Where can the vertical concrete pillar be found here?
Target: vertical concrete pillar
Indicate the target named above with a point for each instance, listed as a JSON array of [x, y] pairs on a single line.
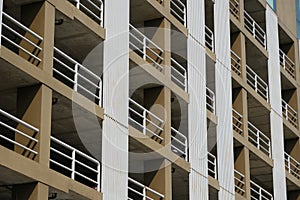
[[196, 56], [115, 100], [277, 137]]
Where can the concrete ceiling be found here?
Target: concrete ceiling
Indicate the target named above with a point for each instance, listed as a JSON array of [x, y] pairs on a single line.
[[138, 17]]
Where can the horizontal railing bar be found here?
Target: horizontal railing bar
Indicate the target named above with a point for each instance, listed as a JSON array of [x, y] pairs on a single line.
[[18, 120], [18, 144], [23, 49], [22, 26]]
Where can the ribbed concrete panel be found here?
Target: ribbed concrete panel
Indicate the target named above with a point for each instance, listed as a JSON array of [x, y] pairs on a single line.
[[197, 107], [197, 120], [224, 101], [196, 20], [115, 103], [277, 135], [273, 62], [198, 186]]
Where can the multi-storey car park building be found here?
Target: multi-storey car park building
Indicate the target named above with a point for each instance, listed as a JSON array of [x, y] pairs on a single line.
[[149, 99]]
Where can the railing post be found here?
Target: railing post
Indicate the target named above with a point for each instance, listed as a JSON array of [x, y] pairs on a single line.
[[289, 163], [144, 121], [1, 15], [253, 28], [186, 150], [144, 193], [76, 78], [100, 92], [98, 177], [101, 14], [260, 195], [255, 82], [78, 4], [73, 165], [257, 139], [144, 48]]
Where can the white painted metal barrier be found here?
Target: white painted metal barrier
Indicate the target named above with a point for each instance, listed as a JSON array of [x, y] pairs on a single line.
[[258, 139], [145, 121], [210, 100], [289, 114], [137, 190], [237, 121], [179, 143], [26, 134], [292, 165], [239, 182], [77, 76], [92, 8], [258, 193], [20, 39], [178, 74], [74, 164], [212, 165], [234, 8], [286, 63], [257, 83], [209, 39], [235, 63], [147, 49], [178, 9], [254, 28]]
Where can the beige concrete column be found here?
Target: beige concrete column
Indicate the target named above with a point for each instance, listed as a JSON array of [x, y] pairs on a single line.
[[240, 105], [38, 114], [40, 192], [242, 164], [159, 102], [44, 25], [162, 181], [238, 47]]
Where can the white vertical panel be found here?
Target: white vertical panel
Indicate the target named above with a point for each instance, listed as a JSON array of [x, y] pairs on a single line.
[[115, 101], [224, 101], [197, 106], [277, 135]]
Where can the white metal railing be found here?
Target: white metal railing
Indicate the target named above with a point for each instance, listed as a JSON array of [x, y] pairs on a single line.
[[287, 64], [234, 8], [212, 165], [257, 83], [292, 165], [145, 121], [210, 100], [289, 113], [92, 8], [258, 193], [137, 190], [147, 49], [79, 165], [178, 9], [26, 133], [254, 28], [239, 182], [209, 39], [77, 76], [178, 74], [21, 39], [258, 139], [235, 63], [237, 121], [179, 143]]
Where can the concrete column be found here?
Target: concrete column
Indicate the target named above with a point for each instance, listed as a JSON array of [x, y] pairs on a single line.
[[277, 135], [196, 56], [34, 105], [115, 101]]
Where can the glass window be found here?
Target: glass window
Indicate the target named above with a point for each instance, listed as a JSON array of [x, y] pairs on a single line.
[[272, 3]]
